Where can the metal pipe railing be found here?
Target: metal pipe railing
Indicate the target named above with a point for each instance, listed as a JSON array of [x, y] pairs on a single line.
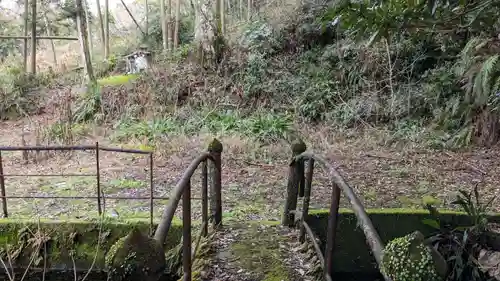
[[300, 186], [183, 191], [99, 194]]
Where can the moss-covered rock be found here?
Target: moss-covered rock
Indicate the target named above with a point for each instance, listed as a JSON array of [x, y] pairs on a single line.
[[215, 146], [408, 258], [137, 257], [298, 146]]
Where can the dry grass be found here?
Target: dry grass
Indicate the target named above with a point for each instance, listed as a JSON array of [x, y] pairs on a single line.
[[254, 176]]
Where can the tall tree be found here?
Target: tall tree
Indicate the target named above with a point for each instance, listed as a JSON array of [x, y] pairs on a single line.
[[169, 24], [106, 28], [84, 44], [86, 14], [101, 25], [177, 22], [163, 25], [49, 33]]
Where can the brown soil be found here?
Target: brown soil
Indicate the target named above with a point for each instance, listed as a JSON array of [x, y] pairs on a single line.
[[254, 176]]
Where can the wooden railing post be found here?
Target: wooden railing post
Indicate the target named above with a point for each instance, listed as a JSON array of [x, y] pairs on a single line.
[[332, 230], [98, 178], [294, 179], [204, 198], [186, 232], [215, 149], [307, 198], [2, 188]]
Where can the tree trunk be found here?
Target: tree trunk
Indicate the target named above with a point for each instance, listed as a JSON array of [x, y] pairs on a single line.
[[146, 29], [25, 46], [84, 44], [101, 25], [203, 28], [106, 28], [169, 24], [241, 9], [163, 21], [222, 17], [33, 36], [249, 10], [177, 22], [52, 46], [89, 31]]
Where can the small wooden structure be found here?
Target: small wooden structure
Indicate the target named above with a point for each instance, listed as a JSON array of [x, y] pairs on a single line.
[[139, 60]]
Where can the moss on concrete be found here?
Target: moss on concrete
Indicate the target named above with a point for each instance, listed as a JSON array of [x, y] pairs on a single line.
[[257, 250], [137, 257], [63, 242], [352, 253]]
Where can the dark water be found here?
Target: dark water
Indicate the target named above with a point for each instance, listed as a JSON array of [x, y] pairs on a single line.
[[60, 275], [53, 275], [357, 277]]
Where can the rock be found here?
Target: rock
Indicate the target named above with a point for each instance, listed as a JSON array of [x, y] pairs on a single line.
[[491, 237], [489, 261], [135, 257], [408, 258]]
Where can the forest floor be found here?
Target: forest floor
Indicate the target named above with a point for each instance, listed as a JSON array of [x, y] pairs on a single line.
[[254, 176]]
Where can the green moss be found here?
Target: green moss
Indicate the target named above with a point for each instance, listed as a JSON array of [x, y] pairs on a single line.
[[391, 211], [278, 273], [137, 257], [257, 250], [116, 80], [215, 146], [298, 146], [69, 240], [112, 251], [407, 258]]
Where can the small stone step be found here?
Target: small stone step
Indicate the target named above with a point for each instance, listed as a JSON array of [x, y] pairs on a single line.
[[257, 251]]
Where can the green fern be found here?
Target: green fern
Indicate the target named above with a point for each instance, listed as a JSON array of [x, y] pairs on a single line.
[[468, 55], [487, 73]]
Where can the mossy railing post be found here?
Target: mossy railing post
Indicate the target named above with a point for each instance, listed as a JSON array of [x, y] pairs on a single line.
[[307, 199], [215, 149], [294, 182]]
